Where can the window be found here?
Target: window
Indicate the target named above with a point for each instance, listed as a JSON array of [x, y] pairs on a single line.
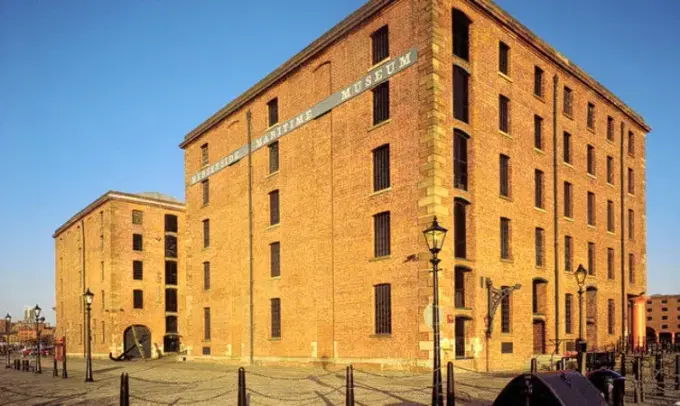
[[503, 58], [566, 104], [206, 233], [631, 143], [568, 300], [381, 234], [170, 223], [380, 44], [505, 313], [381, 168], [206, 275], [610, 316], [204, 154], [610, 216], [460, 33], [383, 310], [631, 181], [664, 317], [137, 270], [631, 224], [137, 299], [610, 263], [205, 185], [566, 147], [591, 160], [137, 244], [568, 253], [206, 324], [539, 244], [538, 81], [538, 132], [170, 246], [610, 128], [538, 188], [610, 170], [460, 94], [505, 238], [101, 267], [631, 268], [591, 208], [459, 228], [103, 301], [273, 111], [381, 103], [504, 163], [460, 168], [591, 258], [274, 157], [459, 286], [170, 272], [274, 215], [103, 332], [590, 119], [171, 300], [275, 259], [504, 114], [137, 216], [170, 324], [276, 318], [568, 200]]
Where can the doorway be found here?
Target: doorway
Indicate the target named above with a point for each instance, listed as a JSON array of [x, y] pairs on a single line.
[[539, 337], [137, 334]]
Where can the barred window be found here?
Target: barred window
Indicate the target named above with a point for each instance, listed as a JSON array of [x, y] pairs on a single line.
[[170, 324], [631, 143], [591, 258], [504, 114], [503, 58], [206, 275], [137, 216], [539, 247], [276, 318], [274, 157], [504, 163], [568, 253], [610, 128], [381, 103], [459, 228], [631, 268], [460, 94], [568, 200], [460, 160], [383, 311], [610, 316], [381, 232], [171, 272], [137, 244], [274, 215], [538, 188], [505, 238], [204, 154], [631, 181], [380, 44], [206, 233], [205, 186], [275, 259], [590, 166], [538, 132], [171, 300], [137, 299], [273, 111], [610, 263], [170, 246], [566, 147], [631, 224], [590, 120], [137, 270], [610, 170], [591, 208], [170, 223], [206, 324], [381, 168], [505, 313], [566, 104], [538, 81], [461, 37], [610, 216], [568, 299]]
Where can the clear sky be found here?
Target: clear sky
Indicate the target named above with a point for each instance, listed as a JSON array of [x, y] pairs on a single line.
[[96, 95]]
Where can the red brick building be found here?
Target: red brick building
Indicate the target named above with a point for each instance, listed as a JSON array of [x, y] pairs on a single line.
[[308, 246], [663, 319]]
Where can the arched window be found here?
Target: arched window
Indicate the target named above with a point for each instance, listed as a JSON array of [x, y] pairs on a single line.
[[461, 34]]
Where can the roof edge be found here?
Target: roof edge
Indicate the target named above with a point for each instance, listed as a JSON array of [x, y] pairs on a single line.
[[115, 195]]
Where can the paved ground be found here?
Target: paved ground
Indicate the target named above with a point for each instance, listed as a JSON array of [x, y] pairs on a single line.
[[169, 382]]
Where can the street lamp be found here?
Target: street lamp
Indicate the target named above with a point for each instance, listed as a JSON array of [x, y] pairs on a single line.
[[38, 320], [8, 323], [434, 236], [581, 274], [88, 296]]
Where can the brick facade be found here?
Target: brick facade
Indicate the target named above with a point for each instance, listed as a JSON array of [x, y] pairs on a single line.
[[104, 230], [663, 318], [327, 202]]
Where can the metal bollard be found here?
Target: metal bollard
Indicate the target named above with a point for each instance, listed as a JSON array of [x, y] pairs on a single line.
[[124, 389], [619, 392], [623, 364], [349, 387], [450, 396], [27, 365], [660, 385], [534, 365], [677, 372], [528, 389], [55, 371], [641, 380], [241, 387]]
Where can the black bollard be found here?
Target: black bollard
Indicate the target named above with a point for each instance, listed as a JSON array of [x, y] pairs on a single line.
[[241, 387], [677, 372], [124, 389], [64, 374], [636, 379], [349, 387], [623, 364], [658, 367], [534, 365], [450, 396], [619, 392], [559, 366], [641, 379], [55, 371], [528, 389]]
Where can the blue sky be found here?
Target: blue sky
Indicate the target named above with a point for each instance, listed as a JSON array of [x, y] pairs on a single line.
[[96, 95]]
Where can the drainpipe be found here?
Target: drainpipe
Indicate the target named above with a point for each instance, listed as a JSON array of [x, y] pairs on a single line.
[[555, 210], [250, 236], [623, 244], [82, 281]]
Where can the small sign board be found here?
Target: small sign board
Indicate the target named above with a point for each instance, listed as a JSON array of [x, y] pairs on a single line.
[[59, 348]]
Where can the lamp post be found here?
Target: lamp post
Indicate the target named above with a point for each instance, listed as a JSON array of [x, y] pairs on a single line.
[[8, 323], [434, 236], [38, 320], [581, 274], [88, 296]]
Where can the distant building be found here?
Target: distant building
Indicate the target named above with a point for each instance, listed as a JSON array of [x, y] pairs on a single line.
[[663, 319], [126, 248]]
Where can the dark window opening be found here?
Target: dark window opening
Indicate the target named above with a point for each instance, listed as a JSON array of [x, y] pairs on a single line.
[[631, 268], [383, 309], [274, 215], [460, 228], [274, 157], [631, 224], [137, 270], [380, 44], [171, 300], [590, 120], [566, 147], [275, 259], [504, 114], [538, 132], [505, 313], [137, 299], [206, 275], [276, 318], [566, 104], [610, 128], [460, 94], [460, 160], [170, 246], [505, 238], [538, 189], [631, 143], [206, 325], [568, 253], [590, 160], [381, 103], [631, 181], [568, 299], [503, 58], [504, 163], [204, 154], [610, 263], [591, 208], [591, 258], [381, 168], [273, 111], [137, 217], [206, 233], [170, 273], [171, 324], [568, 200], [610, 170], [538, 81], [610, 216], [610, 316], [459, 285], [170, 223], [137, 244], [205, 187], [540, 247], [381, 232], [461, 34]]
